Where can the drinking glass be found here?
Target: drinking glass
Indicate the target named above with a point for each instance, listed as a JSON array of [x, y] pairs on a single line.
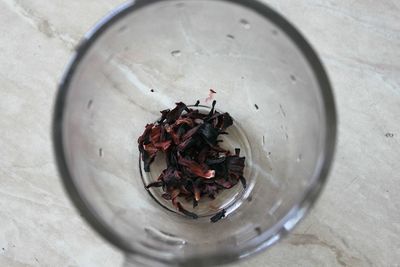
[[147, 55]]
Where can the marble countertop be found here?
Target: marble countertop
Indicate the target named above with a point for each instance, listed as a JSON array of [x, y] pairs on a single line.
[[356, 222]]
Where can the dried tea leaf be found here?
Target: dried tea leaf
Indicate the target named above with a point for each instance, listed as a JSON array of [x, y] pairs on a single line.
[[218, 216]]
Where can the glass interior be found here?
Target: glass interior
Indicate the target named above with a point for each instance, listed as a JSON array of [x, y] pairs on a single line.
[[171, 51]]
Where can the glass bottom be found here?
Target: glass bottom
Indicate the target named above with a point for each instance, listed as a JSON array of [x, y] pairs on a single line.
[[227, 199]]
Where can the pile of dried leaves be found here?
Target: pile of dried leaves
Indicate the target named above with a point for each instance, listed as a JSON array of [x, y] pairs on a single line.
[[196, 165]]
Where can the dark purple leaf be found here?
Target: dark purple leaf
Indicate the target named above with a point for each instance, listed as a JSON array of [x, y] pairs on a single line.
[[209, 133], [218, 216], [164, 114], [174, 114]]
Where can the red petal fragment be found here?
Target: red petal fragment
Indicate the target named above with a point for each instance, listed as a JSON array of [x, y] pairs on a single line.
[[225, 184], [151, 149], [173, 134], [163, 145], [196, 168], [146, 133], [175, 202], [155, 134], [187, 121], [175, 193]]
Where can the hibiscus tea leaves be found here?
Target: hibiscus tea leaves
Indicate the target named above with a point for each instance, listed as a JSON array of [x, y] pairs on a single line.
[[197, 166]]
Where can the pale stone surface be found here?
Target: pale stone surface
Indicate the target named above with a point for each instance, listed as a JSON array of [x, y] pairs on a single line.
[[356, 222]]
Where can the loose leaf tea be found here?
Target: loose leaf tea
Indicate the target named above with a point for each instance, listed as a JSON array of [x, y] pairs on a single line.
[[197, 166]]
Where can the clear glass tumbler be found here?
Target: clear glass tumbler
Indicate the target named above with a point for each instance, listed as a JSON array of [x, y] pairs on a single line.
[[147, 55]]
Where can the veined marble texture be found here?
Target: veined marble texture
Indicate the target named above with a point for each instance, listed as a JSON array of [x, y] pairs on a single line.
[[356, 221]]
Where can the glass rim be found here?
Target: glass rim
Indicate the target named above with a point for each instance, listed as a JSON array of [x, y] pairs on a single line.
[[269, 237]]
